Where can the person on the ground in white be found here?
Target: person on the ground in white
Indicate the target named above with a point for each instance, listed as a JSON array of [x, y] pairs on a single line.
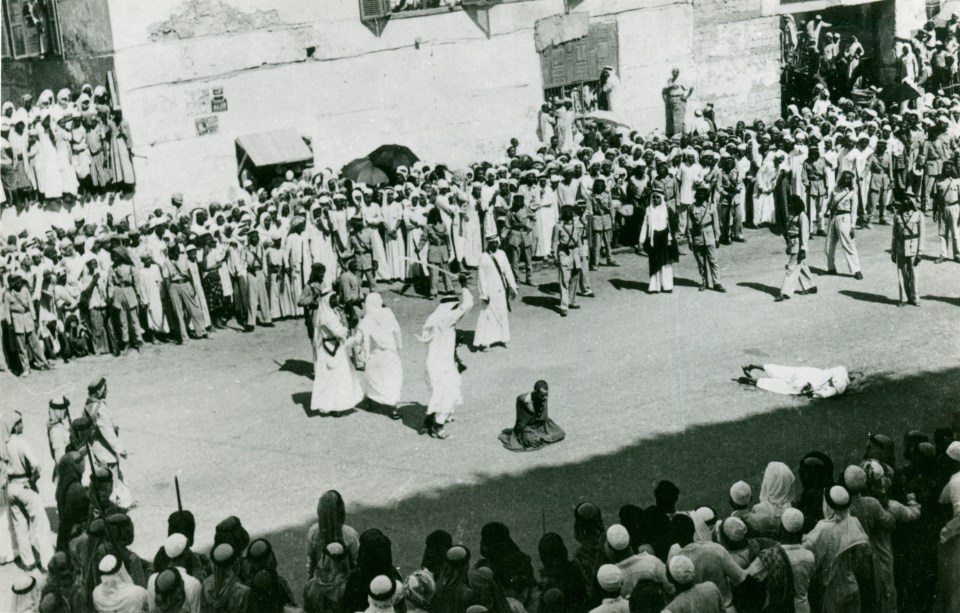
[[496, 286], [31, 528], [443, 374], [382, 342], [843, 213], [798, 380], [336, 385]]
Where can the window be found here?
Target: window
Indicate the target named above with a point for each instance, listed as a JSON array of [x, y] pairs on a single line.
[[572, 69], [31, 28], [422, 8]]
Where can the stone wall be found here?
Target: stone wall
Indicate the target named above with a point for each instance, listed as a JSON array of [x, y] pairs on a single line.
[[737, 54]]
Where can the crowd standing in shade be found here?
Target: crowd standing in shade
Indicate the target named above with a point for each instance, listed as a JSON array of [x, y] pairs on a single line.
[[881, 535]]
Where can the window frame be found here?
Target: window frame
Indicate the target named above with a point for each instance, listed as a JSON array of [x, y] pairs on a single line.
[[55, 37]]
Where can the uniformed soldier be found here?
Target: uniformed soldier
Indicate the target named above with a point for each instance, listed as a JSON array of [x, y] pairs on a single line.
[[797, 236], [703, 228], [880, 165], [123, 287], [520, 238], [567, 248], [58, 429], [946, 212], [27, 517], [906, 246], [843, 212], [601, 220], [935, 151], [814, 179], [728, 187]]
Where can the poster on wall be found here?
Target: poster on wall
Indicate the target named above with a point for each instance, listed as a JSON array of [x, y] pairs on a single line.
[[218, 103], [198, 102], [207, 125]]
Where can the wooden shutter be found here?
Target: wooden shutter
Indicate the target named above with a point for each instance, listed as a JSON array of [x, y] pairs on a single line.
[[5, 34], [604, 37], [371, 10], [14, 13]]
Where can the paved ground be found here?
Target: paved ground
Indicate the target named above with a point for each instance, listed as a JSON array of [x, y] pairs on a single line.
[[642, 384]]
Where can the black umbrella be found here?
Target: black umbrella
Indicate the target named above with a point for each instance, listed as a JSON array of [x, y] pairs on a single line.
[[362, 170], [390, 157]]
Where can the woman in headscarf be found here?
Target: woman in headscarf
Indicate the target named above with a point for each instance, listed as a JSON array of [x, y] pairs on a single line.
[[435, 551], [454, 593], [223, 592], [948, 545], [64, 583], [382, 342], [511, 567], [590, 533], [560, 573], [374, 559], [267, 593], [659, 236], [332, 550], [260, 557], [117, 592], [336, 385], [844, 575], [775, 495], [816, 474], [73, 503], [487, 592]]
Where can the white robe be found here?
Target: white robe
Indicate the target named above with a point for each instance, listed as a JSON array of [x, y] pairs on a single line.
[[472, 233], [151, 288], [546, 218], [443, 376], [381, 346], [793, 380], [336, 385], [493, 324], [393, 247]]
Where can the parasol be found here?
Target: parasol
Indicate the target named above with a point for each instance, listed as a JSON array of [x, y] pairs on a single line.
[[390, 157], [607, 117], [362, 170]]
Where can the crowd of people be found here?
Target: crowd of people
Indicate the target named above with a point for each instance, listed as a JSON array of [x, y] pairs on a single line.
[[880, 535], [75, 147]]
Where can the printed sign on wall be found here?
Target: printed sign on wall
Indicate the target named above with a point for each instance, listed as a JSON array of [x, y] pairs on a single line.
[[207, 125], [218, 102]]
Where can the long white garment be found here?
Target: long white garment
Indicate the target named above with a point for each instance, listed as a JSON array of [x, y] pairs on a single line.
[[382, 342], [546, 218], [472, 233], [794, 380], [68, 173], [764, 209], [201, 296], [415, 219], [118, 594], [443, 376], [151, 288], [336, 385], [49, 178], [493, 324], [393, 246], [373, 219]]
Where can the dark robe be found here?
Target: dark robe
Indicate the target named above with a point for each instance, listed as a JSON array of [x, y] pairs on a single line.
[[533, 428]]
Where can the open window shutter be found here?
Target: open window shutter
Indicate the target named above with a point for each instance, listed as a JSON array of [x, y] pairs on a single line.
[[605, 38], [371, 10], [14, 11], [5, 35]]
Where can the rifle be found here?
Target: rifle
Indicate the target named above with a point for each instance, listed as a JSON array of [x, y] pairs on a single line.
[[176, 483]]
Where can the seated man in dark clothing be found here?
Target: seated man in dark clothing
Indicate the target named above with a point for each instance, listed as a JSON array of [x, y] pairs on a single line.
[[533, 428]]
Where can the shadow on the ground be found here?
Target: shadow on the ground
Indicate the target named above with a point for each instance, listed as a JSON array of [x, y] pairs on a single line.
[[760, 287], [549, 288], [622, 284], [303, 399], [868, 297], [544, 302], [952, 300], [703, 460], [411, 413], [300, 368]]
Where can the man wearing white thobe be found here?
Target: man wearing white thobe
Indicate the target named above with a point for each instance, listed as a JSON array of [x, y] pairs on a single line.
[[496, 284]]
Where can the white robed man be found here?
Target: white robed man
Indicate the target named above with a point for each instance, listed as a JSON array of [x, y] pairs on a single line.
[[382, 342], [443, 373], [336, 384], [496, 286]]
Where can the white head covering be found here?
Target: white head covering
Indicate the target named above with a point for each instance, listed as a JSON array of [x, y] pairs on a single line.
[[777, 485], [117, 592], [379, 322]]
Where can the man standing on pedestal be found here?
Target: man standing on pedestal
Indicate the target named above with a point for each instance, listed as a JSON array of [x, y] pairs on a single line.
[[675, 96]]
